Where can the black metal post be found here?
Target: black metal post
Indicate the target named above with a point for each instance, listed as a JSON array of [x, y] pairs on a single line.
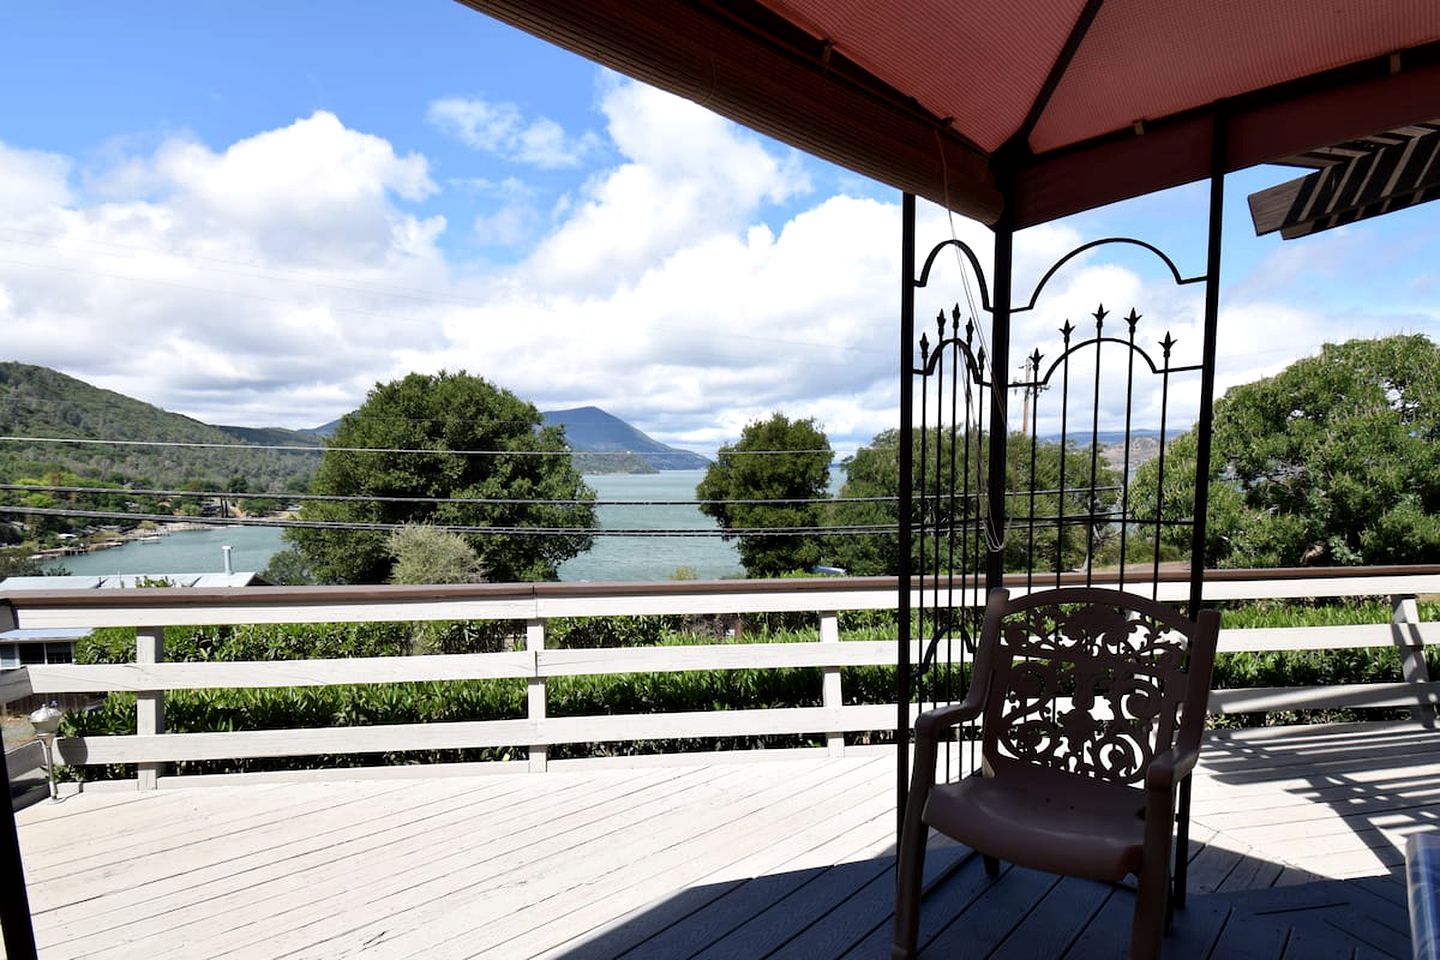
[[1204, 428], [14, 902], [905, 505], [994, 523]]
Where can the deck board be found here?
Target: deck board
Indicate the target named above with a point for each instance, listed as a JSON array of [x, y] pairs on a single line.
[[1297, 837]]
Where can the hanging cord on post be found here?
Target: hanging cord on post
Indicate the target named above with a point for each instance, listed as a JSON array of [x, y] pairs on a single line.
[[994, 538]]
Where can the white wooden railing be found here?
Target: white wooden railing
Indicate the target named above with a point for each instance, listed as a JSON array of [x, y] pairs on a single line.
[[151, 611]]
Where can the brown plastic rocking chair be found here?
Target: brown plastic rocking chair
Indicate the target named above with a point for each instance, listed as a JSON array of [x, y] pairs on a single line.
[[1092, 703]]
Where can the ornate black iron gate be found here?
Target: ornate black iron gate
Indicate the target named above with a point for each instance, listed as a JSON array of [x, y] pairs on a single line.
[[1082, 474], [1076, 489]]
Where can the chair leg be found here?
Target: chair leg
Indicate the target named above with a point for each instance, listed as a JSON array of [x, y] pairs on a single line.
[[1148, 927], [1182, 845], [992, 866], [909, 876]]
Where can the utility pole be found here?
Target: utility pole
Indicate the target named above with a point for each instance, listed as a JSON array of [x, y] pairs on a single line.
[[1025, 397], [1029, 370]]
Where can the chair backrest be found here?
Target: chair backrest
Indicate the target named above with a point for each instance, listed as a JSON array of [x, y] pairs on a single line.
[[1091, 682]]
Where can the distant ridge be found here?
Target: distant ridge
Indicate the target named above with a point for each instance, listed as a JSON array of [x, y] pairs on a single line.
[[44, 403], [324, 430], [1082, 435], [272, 436], [590, 430], [40, 402]]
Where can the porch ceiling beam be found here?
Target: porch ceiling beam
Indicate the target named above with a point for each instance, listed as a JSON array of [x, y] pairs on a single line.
[[1374, 181], [1268, 125], [742, 62]]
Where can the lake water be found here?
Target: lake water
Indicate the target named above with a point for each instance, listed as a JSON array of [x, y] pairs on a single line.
[[195, 551], [612, 558], [652, 558]]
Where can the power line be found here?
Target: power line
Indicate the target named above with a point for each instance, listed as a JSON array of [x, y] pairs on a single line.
[[351, 498], [409, 421], [32, 400], [854, 529], [196, 444], [305, 448], [252, 270], [518, 501], [421, 298], [194, 288]]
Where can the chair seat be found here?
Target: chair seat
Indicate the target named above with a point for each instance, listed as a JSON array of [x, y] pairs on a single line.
[[1054, 823]]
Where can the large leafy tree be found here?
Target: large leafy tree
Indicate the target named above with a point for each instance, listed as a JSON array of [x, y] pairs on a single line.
[[1336, 459], [775, 459], [458, 436], [874, 472]]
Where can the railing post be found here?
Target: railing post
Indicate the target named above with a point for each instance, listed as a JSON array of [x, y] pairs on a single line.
[[1405, 629], [15, 925], [832, 697], [149, 704], [535, 692]]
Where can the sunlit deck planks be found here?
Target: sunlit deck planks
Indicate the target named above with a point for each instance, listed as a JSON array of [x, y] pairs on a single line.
[[787, 859]]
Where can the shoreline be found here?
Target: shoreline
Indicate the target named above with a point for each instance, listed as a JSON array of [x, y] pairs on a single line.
[[152, 534]]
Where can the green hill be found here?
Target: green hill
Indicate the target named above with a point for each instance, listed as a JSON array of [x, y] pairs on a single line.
[[40, 402]]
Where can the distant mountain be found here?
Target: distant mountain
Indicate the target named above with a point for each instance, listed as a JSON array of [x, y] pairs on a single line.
[[1081, 435], [592, 432], [1144, 445], [40, 402], [74, 417], [324, 430]]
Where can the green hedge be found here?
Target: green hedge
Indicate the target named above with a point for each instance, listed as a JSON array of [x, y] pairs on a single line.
[[189, 711]]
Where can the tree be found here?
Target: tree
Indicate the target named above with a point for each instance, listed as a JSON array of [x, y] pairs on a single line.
[[425, 554], [459, 437], [288, 568], [750, 470], [1229, 517], [1333, 460], [874, 472]]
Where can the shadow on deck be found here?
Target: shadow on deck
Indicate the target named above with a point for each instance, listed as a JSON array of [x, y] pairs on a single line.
[[1299, 855], [1296, 849], [845, 912]]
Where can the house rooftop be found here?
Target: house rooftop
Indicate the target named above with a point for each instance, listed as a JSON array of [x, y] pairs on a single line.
[[132, 580]]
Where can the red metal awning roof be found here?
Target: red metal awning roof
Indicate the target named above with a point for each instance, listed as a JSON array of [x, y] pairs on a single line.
[[1062, 105]]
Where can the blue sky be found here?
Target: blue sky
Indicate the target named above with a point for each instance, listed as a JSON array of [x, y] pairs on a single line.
[[252, 213]]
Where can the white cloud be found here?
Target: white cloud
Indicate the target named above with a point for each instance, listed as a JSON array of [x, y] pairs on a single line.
[[688, 176], [502, 129], [314, 190], [243, 282], [717, 334], [34, 183], [514, 220], [275, 279]]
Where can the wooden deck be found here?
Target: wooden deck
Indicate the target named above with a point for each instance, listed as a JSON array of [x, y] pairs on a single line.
[[1298, 841]]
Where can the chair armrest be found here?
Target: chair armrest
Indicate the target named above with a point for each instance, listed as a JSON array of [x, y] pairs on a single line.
[[928, 727], [929, 724], [1169, 767]]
